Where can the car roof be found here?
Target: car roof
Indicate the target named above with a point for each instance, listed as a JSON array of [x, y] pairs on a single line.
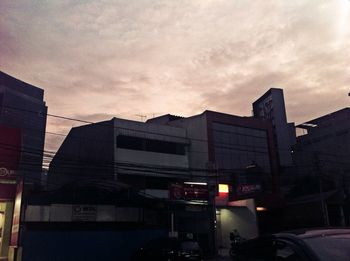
[[313, 232]]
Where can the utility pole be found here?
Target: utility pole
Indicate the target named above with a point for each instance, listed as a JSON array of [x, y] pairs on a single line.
[[318, 173]]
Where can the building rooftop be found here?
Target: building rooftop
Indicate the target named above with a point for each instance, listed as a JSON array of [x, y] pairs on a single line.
[[20, 86], [324, 119]]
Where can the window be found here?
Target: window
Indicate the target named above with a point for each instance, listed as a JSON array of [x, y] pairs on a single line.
[[257, 250], [143, 144], [286, 251]]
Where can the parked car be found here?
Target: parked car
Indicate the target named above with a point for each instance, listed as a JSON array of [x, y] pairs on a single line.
[[301, 245], [169, 249]]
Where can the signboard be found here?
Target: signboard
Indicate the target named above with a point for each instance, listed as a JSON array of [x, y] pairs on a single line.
[[7, 191], [84, 213], [183, 191], [16, 216], [10, 152], [245, 191]]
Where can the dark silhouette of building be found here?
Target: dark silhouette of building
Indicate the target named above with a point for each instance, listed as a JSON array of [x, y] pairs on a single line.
[[22, 107]]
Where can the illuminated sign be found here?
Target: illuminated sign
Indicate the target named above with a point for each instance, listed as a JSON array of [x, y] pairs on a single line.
[[245, 191], [188, 191], [248, 189], [223, 188]]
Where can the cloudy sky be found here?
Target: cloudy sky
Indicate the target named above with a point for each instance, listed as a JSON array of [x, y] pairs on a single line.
[[104, 58]]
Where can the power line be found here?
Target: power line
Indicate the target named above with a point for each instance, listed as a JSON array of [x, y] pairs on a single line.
[[160, 134]]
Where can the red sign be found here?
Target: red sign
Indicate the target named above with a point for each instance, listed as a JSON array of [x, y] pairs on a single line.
[[245, 191], [16, 215], [248, 189], [10, 152], [182, 191], [7, 191]]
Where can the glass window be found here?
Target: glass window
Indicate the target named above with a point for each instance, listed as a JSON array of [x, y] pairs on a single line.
[[260, 250], [143, 144], [288, 252]]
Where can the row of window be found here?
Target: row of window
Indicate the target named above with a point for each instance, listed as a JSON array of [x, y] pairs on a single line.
[[144, 144]]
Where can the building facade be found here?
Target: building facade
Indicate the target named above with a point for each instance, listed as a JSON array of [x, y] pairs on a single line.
[[322, 175], [271, 106], [124, 150], [22, 106], [22, 133], [183, 161], [152, 158], [239, 157]]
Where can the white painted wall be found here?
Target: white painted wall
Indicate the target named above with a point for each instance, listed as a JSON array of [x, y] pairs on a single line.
[[64, 213], [241, 218], [151, 158]]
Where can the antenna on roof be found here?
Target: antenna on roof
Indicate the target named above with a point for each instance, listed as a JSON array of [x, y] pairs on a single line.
[[142, 117]]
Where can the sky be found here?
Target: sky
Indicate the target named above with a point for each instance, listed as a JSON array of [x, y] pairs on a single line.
[[123, 58]]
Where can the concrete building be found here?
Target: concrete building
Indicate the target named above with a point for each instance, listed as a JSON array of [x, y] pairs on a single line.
[[22, 134], [122, 150], [322, 174], [152, 158], [92, 220], [271, 106], [239, 156], [183, 161], [22, 106]]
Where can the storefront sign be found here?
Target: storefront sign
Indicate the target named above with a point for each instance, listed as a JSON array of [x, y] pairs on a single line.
[[181, 191], [84, 213], [244, 191], [16, 215], [7, 191], [248, 189]]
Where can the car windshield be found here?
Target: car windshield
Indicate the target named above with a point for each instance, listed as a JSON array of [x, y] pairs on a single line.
[[331, 247], [189, 245]]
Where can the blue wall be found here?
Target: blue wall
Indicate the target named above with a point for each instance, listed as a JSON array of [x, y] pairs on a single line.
[[56, 245]]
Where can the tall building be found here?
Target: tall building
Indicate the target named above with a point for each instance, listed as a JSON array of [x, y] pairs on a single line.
[[22, 134], [270, 106], [22, 106]]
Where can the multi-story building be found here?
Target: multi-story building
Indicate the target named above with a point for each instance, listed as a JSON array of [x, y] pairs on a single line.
[[22, 134], [152, 158], [239, 156], [183, 161], [123, 150], [271, 106], [322, 175], [22, 106]]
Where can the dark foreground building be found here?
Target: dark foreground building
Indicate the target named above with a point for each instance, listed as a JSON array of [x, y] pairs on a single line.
[[22, 134], [22, 106], [319, 195]]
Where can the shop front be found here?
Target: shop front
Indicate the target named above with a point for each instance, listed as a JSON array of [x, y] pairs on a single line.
[[233, 215], [7, 199], [10, 192]]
